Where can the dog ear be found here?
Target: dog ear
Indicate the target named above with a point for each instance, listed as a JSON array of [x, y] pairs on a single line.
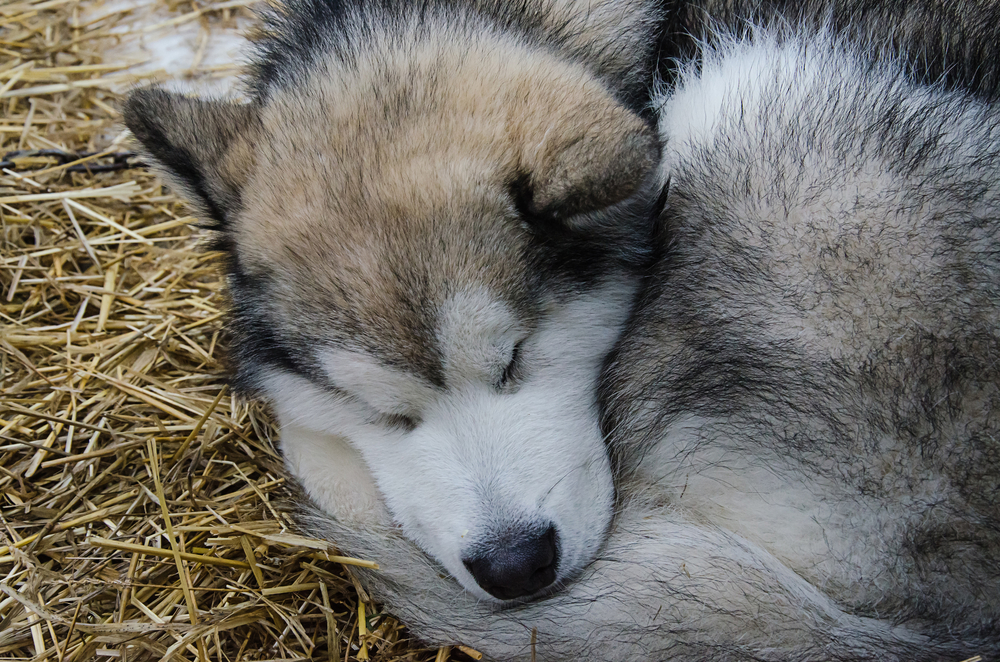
[[581, 151], [203, 148]]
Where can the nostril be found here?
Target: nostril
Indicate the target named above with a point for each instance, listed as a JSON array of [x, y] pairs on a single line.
[[517, 566]]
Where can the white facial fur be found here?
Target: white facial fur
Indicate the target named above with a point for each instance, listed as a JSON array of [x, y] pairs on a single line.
[[482, 459]]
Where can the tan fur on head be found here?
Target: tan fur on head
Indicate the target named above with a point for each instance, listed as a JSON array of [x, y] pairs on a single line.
[[435, 111], [516, 112], [430, 149], [596, 155], [610, 32]]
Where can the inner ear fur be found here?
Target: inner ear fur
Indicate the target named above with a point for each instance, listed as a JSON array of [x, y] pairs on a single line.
[[581, 151], [202, 147]]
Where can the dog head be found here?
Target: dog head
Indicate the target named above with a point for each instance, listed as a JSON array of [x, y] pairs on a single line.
[[425, 256]]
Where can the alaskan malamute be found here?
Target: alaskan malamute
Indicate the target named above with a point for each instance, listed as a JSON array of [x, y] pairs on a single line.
[[430, 210], [805, 407]]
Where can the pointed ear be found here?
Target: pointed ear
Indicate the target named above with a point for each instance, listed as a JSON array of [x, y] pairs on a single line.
[[590, 153], [203, 148]]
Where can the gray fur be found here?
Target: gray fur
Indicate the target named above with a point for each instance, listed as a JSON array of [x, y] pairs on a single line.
[[804, 406], [951, 41], [825, 305]]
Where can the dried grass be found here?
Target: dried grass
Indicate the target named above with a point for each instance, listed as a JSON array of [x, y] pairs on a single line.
[[141, 504]]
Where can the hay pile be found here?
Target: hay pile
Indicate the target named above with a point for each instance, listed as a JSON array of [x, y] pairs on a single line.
[[141, 504]]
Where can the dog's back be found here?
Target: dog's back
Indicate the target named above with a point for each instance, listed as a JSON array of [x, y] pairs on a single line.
[[949, 40], [824, 325]]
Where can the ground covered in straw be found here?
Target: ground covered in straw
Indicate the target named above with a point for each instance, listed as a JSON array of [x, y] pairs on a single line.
[[143, 508]]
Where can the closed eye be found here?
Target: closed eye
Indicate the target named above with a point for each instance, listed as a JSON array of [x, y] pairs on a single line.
[[511, 372], [399, 422], [403, 422]]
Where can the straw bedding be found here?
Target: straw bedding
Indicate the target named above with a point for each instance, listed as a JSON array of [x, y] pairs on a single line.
[[144, 510]]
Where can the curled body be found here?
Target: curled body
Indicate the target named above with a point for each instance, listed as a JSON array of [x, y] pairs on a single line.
[[433, 214], [803, 409]]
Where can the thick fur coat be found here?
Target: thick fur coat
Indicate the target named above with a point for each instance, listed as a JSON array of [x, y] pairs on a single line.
[[950, 42], [436, 218], [434, 214], [804, 406]]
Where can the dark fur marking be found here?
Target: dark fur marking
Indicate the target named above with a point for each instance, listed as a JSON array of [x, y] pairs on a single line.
[[140, 113], [253, 343], [582, 256]]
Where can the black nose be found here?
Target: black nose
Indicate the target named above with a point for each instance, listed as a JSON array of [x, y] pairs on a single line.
[[520, 565]]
